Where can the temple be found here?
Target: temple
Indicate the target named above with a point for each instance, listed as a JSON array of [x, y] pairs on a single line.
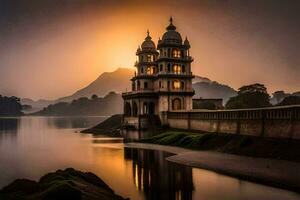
[[163, 78]]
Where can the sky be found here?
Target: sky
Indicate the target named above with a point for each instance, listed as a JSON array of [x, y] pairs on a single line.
[[52, 48]]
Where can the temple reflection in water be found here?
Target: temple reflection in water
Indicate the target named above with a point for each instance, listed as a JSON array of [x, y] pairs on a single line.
[[158, 178]]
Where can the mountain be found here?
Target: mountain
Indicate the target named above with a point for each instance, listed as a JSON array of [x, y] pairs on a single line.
[[117, 81], [213, 89]]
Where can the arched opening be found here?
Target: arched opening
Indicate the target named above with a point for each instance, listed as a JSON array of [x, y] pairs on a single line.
[[145, 85], [176, 104], [182, 85], [169, 52], [176, 53], [169, 67], [145, 108], [127, 110], [150, 70], [138, 85], [176, 69], [134, 109], [151, 108], [176, 84], [183, 69]]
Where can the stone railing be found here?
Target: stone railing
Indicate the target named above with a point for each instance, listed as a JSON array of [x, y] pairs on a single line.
[[281, 121]]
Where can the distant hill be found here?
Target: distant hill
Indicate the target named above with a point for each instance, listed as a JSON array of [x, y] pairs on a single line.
[[35, 105], [212, 89], [118, 81], [95, 106], [278, 96]]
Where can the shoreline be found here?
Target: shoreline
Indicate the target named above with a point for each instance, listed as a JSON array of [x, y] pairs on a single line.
[[276, 173]]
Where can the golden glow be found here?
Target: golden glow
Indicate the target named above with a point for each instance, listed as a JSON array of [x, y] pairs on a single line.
[[150, 70], [104, 38], [176, 69], [176, 84], [176, 53]]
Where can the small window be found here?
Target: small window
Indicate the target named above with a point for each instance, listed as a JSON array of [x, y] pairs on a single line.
[[176, 53], [183, 69], [161, 67], [150, 70], [159, 83], [145, 85], [142, 70], [150, 58], [176, 84], [176, 69], [169, 67], [168, 85], [182, 85]]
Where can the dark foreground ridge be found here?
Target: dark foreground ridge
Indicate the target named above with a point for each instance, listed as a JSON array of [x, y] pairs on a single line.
[[68, 184], [274, 148], [110, 126]]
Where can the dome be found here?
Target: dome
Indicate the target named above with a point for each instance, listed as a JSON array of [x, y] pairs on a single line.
[[148, 44], [172, 36]]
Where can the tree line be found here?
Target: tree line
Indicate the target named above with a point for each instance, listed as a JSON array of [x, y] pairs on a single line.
[[254, 96], [10, 106]]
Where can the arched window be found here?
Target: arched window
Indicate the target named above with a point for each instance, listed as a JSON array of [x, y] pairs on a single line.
[[176, 69], [160, 67], [183, 68], [159, 84], [176, 84], [168, 85], [142, 70], [182, 85], [134, 109], [145, 85], [138, 85], [169, 52], [127, 110], [176, 104], [176, 53], [169, 67], [150, 70]]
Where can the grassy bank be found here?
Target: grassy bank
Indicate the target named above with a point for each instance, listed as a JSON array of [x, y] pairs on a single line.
[[110, 126], [234, 144]]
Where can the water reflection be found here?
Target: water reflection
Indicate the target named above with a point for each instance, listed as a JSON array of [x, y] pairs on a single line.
[[73, 122], [9, 125], [157, 178]]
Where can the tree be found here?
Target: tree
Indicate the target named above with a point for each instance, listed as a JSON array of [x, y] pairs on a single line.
[[290, 100], [250, 96], [10, 106], [94, 97]]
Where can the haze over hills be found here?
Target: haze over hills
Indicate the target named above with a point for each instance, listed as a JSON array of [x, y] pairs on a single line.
[[119, 81]]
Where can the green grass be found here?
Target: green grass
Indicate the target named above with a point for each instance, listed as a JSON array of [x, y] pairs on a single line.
[[277, 148]]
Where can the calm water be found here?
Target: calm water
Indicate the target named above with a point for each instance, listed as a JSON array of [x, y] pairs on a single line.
[[33, 146]]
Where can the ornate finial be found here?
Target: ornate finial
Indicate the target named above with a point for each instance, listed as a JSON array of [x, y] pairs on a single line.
[[148, 35], [171, 26]]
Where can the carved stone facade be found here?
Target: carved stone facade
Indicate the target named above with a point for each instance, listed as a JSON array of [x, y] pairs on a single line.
[[163, 78]]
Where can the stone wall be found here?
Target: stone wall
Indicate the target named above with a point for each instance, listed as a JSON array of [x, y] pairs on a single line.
[[280, 122]]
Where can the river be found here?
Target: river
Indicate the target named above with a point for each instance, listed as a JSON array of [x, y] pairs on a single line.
[[33, 146]]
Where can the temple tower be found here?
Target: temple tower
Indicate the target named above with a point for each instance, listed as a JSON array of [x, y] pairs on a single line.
[[174, 78]]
